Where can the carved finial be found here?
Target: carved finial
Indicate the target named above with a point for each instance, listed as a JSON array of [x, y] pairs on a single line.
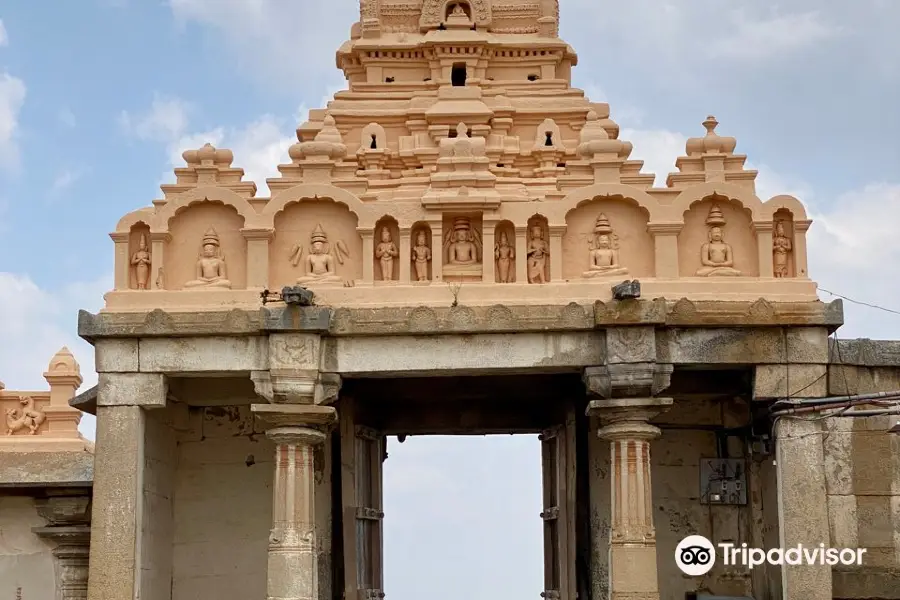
[[715, 218], [63, 369], [211, 237], [712, 142], [602, 226], [208, 155], [461, 224], [318, 235], [710, 123]]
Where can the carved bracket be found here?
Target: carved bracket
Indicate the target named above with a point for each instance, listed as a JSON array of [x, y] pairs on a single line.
[[628, 380], [369, 514], [296, 386]]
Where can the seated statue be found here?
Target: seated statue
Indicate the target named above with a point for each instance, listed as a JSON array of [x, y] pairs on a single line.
[[462, 250], [604, 254], [211, 272], [320, 263], [715, 255]]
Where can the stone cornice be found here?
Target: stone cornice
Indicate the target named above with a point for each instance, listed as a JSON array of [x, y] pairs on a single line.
[[499, 318]]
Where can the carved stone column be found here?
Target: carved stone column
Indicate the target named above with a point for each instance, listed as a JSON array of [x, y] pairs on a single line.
[[487, 250], [521, 254], [405, 255], [624, 422], [68, 516], [293, 552]]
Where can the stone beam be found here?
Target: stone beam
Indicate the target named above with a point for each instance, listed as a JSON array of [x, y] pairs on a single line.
[[203, 354], [460, 355]]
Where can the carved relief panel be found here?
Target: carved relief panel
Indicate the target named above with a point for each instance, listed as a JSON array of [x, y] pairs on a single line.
[[538, 250], [421, 252], [207, 250], [505, 252], [463, 250], [783, 245], [387, 251], [139, 257], [717, 241]]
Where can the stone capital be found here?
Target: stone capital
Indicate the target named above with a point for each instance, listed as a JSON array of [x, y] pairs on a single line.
[[628, 418], [627, 380], [296, 386], [301, 424], [73, 541], [65, 508]]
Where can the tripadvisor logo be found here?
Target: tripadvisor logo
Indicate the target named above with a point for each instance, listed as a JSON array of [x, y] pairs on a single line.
[[695, 555]]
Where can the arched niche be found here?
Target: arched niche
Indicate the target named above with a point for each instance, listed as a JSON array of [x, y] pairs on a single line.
[[373, 137], [294, 227], [187, 229], [138, 258], [537, 224], [784, 248], [628, 221], [505, 273], [738, 233], [452, 4], [548, 136], [387, 239], [422, 265]]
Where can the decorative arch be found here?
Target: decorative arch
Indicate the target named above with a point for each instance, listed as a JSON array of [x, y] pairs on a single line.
[[581, 196], [164, 216], [788, 203], [435, 11], [698, 193], [317, 191], [142, 215]]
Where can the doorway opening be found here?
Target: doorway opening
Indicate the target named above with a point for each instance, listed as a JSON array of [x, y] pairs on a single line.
[[462, 517], [458, 75]]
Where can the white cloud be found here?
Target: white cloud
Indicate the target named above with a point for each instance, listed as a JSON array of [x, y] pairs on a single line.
[[65, 179], [4, 37], [37, 322], [12, 97], [167, 118], [755, 38], [657, 148]]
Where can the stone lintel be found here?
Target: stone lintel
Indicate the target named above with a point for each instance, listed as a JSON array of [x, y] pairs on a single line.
[[627, 380], [148, 390], [43, 470], [303, 416]]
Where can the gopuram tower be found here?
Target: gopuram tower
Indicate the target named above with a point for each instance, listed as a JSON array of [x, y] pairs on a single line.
[[460, 244]]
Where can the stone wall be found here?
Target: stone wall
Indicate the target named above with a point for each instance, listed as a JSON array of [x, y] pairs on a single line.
[[27, 565]]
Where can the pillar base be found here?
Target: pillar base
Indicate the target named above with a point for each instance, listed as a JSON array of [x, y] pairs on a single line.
[[631, 564]]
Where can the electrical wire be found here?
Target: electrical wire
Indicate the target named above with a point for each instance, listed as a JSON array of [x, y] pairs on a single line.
[[890, 310]]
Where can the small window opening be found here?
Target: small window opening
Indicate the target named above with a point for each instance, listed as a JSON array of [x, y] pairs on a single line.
[[427, 79], [561, 165], [549, 140], [389, 80], [500, 165], [533, 77], [458, 75], [452, 133], [469, 132], [374, 145]]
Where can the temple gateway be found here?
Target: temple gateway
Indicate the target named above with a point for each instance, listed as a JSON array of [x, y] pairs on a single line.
[[462, 244]]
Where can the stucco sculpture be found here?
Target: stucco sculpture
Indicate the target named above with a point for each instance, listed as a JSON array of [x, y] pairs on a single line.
[[386, 252], [538, 252], [463, 250], [421, 256], [504, 254], [141, 261], [320, 261], [781, 249], [211, 270], [604, 251], [716, 255]]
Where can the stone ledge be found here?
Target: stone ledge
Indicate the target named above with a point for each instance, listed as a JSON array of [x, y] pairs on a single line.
[[864, 352], [498, 318], [46, 469], [866, 583]]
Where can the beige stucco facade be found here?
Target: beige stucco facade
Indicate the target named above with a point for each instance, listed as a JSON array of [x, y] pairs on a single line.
[[456, 226]]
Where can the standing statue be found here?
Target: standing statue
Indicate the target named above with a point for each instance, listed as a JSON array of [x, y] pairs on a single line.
[[462, 247], [538, 251], [781, 247], [604, 251], [211, 272], [421, 255], [716, 256], [385, 253], [141, 262], [504, 254], [320, 263]]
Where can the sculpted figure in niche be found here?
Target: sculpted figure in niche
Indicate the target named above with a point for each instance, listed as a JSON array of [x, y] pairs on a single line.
[[141, 263], [320, 263], [781, 247], [504, 254], [463, 249], [538, 251], [716, 256], [385, 253], [211, 272], [421, 254], [604, 251]]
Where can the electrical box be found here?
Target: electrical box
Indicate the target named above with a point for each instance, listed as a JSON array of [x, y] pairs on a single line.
[[723, 481]]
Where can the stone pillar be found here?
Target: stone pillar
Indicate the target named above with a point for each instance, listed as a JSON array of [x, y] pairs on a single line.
[[405, 255], [158, 241], [665, 243], [296, 429], [800, 472], [69, 516], [368, 254], [521, 254], [258, 257], [628, 386], [118, 498], [487, 260], [437, 251], [122, 266], [556, 253], [763, 231], [800, 267]]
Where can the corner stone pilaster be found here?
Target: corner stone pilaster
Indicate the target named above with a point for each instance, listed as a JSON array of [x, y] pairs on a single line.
[[293, 568], [69, 516]]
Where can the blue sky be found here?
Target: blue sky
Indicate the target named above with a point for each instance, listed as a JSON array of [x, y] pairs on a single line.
[[99, 97]]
